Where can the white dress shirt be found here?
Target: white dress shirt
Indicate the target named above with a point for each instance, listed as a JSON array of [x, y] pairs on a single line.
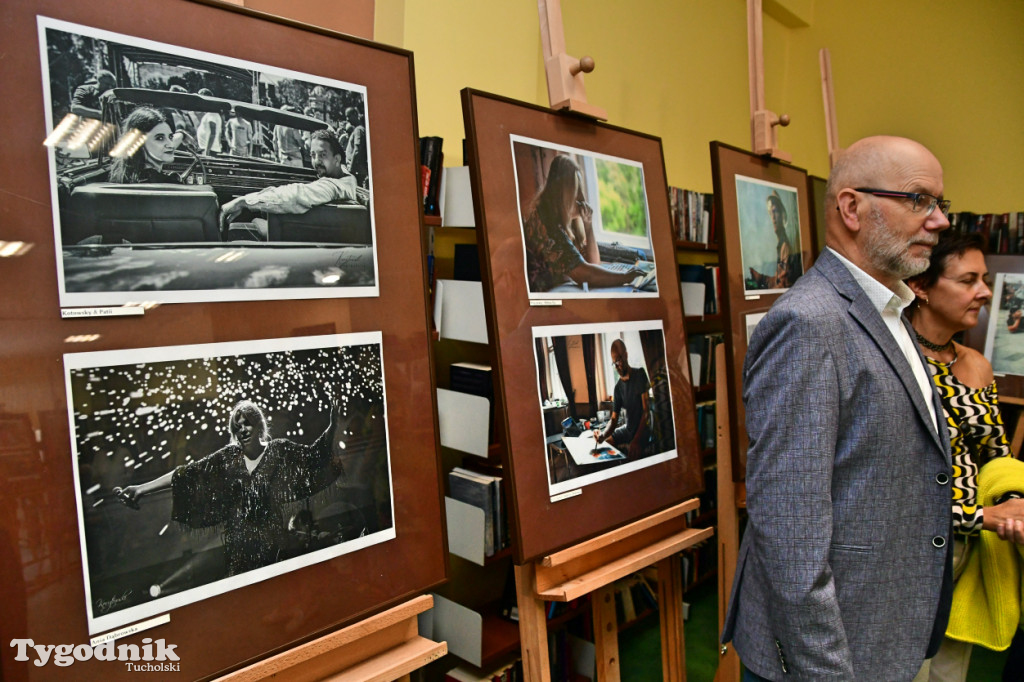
[[890, 305]]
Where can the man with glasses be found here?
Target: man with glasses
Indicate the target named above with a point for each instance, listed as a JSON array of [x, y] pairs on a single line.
[[844, 571]]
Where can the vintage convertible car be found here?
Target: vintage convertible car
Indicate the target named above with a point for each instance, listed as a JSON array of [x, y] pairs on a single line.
[[145, 237]]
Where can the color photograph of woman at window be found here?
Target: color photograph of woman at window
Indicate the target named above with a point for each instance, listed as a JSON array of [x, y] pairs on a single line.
[[577, 240]]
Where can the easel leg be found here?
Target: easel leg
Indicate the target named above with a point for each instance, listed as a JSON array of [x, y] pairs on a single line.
[[606, 634], [533, 626], [670, 610]]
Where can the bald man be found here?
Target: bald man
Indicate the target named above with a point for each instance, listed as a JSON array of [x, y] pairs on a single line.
[[844, 572]]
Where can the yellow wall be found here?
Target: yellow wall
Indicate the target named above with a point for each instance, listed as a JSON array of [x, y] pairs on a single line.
[[946, 72]]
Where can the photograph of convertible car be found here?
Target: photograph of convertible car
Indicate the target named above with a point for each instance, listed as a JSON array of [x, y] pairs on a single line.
[[183, 176]]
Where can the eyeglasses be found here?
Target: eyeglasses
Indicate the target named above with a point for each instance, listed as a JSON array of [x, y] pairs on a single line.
[[921, 201]]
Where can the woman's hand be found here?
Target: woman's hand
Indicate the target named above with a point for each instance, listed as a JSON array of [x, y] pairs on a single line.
[[1006, 519], [128, 496], [1012, 530]]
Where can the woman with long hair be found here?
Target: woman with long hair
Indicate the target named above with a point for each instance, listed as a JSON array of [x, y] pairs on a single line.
[[147, 163], [560, 243]]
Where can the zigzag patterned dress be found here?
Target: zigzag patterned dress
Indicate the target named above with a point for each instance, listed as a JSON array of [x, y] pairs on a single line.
[[976, 436]]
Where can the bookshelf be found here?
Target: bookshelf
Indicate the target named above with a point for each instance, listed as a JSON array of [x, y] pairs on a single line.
[[697, 250]]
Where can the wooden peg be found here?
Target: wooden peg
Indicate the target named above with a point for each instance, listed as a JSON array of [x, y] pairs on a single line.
[[831, 129], [566, 90], [765, 137], [763, 134]]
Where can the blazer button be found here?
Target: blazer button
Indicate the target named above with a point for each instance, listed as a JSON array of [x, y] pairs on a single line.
[[939, 541], [942, 478]]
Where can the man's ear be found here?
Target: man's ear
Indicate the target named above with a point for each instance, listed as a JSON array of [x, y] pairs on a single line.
[[847, 203]]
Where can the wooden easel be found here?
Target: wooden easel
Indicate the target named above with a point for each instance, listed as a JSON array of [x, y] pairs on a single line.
[[763, 135], [831, 129], [381, 648], [564, 73], [731, 496], [590, 568]]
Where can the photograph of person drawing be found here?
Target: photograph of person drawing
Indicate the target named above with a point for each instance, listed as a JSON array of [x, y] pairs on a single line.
[[769, 235], [606, 400], [1004, 345], [202, 469], [585, 222]]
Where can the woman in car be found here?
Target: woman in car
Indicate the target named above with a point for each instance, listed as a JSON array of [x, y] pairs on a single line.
[[146, 164]]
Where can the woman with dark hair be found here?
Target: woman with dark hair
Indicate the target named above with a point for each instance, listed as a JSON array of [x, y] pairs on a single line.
[[147, 162], [244, 485], [948, 297], [560, 243]]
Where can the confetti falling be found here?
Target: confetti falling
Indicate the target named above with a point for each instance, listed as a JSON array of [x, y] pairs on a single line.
[[180, 408]]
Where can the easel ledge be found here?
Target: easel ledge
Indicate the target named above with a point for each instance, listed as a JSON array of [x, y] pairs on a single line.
[[592, 567], [381, 648]]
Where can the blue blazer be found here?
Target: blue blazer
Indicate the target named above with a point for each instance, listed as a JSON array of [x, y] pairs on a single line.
[[844, 570]]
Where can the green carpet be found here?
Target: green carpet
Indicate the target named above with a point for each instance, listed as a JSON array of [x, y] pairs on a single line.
[[640, 645]]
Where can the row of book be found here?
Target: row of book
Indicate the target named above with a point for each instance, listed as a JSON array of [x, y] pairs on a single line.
[[431, 160], [709, 498], [634, 598], [706, 434], [1004, 232], [484, 492], [702, 357], [700, 283], [693, 215], [699, 562]]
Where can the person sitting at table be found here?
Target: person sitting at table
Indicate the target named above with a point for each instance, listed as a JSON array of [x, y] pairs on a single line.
[[630, 394], [560, 243]]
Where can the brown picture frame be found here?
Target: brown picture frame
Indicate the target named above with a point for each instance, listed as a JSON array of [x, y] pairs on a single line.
[[41, 573], [540, 522], [737, 303], [816, 187]]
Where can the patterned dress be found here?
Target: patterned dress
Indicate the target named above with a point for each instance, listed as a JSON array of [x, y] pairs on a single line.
[[976, 436], [550, 255]]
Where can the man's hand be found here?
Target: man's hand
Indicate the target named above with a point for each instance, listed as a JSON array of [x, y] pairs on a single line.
[[230, 210]]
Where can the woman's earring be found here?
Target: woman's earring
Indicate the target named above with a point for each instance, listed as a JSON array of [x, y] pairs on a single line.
[[924, 300]]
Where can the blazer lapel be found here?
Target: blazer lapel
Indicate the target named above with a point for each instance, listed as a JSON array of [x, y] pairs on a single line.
[[865, 314]]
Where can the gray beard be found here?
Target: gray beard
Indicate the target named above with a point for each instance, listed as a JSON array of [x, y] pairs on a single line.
[[889, 253]]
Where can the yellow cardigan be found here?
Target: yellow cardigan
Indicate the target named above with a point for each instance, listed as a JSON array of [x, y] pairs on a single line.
[[987, 596]]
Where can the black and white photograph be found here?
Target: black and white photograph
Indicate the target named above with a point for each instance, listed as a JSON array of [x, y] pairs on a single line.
[[184, 176], [585, 222], [606, 401], [202, 469], [1004, 341], [770, 239]]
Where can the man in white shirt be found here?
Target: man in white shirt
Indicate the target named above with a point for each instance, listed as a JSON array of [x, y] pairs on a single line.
[[334, 184], [844, 572], [210, 127]]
